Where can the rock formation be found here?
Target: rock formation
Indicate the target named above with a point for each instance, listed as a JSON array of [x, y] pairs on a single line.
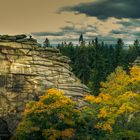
[[136, 62], [18, 38], [27, 71]]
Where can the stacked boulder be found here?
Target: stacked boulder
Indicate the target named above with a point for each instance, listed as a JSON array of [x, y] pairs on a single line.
[[136, 62], [27, 71], [18, 38]]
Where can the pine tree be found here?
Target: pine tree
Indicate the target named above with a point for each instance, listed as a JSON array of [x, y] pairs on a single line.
[[46, 43], [81, 40], [136, 45]]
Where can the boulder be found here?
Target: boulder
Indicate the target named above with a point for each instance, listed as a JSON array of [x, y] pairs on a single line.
[[7, 37], [4, 37], [20, 36], [136, 62], [30, 41], [26, 72], [12, 38]]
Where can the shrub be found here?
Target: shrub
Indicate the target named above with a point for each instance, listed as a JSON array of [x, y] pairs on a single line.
[[54, 116]]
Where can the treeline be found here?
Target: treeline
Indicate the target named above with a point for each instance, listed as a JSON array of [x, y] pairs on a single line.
[[93, 62]]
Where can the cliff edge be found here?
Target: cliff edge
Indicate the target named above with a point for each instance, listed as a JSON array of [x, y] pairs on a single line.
[[27, 71]]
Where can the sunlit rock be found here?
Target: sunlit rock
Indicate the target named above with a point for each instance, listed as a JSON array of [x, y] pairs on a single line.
[[27, 71]]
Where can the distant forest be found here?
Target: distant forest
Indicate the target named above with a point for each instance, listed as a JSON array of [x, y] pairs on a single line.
[[92, 62]]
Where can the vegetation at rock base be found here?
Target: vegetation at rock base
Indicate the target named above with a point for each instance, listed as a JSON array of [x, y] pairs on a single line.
[[53, 117], [93, 61], [112, 115]]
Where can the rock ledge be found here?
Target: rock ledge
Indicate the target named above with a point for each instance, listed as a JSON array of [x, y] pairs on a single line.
[[27, 71]]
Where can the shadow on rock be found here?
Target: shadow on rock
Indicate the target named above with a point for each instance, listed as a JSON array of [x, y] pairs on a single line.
[[4, 131]]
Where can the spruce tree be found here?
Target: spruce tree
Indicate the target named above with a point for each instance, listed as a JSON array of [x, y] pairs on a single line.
[[46, 43]]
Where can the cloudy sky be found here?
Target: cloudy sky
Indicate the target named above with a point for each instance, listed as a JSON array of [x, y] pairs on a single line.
[[65, 20]]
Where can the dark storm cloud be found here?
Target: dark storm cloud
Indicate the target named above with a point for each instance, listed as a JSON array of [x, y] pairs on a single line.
[[72, 30], [62, 32], [67, 30], [125, 23], [130, 33], [104, 9], [119, 32], [132, 22], [76, 31], [48, 33], [136, 34]]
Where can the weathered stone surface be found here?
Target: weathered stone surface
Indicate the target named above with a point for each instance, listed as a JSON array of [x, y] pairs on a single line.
[[4, 132], [19, 38], [136, 62], [26, 72], [12, 38]]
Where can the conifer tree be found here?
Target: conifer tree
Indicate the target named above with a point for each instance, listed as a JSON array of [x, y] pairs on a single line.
[[46, 43]]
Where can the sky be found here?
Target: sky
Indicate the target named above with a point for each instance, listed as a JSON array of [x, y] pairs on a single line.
[[65, 20]]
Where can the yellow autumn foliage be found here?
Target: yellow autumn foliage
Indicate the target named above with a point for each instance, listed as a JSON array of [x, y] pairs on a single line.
[[117, 97], [68, 133], [56, 116], [135, 73]]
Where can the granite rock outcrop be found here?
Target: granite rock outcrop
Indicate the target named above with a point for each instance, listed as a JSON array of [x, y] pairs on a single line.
[[136, 62], [27, 71]]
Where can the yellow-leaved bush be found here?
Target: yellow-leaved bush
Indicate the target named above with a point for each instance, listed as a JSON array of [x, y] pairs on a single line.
[[119, 98], [58, 117], [54, 116]]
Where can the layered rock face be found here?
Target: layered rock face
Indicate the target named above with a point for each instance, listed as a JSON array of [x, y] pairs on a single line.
[[27, 71], [136, 62]]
